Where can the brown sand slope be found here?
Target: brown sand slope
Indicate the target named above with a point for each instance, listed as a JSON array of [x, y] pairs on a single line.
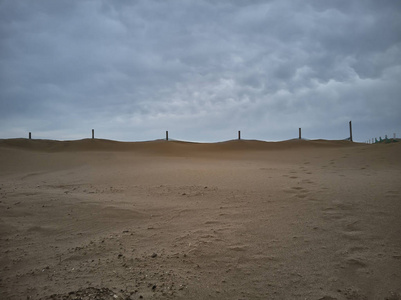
[[232, 220], [167, 147]]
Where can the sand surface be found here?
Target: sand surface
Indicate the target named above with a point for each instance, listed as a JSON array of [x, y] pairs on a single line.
[[233, 220]]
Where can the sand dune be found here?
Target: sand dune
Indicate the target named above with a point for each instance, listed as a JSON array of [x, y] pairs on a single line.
[[231, 220], [162, 146]]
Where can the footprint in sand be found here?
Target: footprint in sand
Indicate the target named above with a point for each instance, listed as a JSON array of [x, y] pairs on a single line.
[[352, 227], [298, 191], [355, 263], [293, 190], [331, 213], [238, 247]]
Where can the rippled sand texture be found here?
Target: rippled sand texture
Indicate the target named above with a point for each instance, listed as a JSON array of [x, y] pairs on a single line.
[[233, 220]]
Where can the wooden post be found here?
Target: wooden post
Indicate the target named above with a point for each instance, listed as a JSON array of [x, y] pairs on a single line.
[[30, 136], [166, 135], [300, 133], [350, 131], [93, 134], [239, 134]]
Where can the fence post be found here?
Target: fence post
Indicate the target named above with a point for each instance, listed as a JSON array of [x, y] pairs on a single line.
[[239, 134], [300, 136], [166, 135], [350, 131], [93, 134], [30, 136]]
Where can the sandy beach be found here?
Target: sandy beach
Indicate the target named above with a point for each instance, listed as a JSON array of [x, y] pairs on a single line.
[[233, 220]]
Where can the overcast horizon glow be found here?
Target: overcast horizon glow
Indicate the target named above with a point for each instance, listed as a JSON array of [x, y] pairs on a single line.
[[200, 69]]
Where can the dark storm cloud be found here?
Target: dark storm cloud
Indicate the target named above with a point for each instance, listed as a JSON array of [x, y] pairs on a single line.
[[201, 69]]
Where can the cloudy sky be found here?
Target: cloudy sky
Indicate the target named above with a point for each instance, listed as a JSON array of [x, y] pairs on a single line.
[[200, 69]]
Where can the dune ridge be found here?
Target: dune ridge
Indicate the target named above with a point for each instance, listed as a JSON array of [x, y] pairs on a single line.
[[167, 146]]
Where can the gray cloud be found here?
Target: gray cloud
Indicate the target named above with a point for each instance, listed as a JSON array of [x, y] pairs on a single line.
[[200, 69]]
